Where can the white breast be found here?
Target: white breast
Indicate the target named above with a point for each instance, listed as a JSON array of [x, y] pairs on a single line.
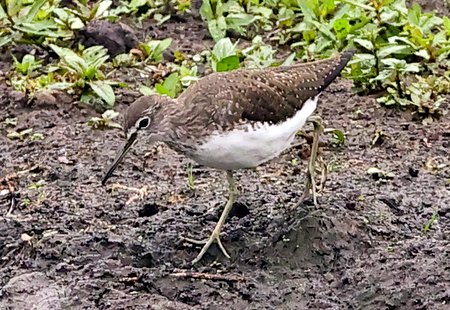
[[239, 149]]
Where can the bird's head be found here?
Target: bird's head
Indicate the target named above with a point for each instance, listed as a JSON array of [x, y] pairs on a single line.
[[143, 115]]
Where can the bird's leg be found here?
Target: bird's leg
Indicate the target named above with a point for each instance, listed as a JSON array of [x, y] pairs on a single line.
[[311, 171], [215, 236]]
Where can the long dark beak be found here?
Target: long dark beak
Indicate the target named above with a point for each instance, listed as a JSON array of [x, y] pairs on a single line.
[[119, 157]]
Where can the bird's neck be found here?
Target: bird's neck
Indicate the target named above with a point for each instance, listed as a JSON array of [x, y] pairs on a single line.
[[170, 122]]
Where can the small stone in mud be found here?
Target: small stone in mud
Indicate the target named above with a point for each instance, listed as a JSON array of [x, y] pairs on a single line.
[[350, 205], [413, 172], [116, 38], [144, 260], [148, 209], [239, 210], [4, 193]]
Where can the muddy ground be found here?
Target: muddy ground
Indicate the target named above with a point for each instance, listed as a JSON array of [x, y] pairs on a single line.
[[74, 244]]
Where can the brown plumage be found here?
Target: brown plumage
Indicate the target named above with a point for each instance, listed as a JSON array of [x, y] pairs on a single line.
[[235, 120], [224, 101], [260, 95]]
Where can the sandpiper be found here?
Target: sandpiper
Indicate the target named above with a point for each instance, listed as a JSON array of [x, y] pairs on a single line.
[[235, 120]]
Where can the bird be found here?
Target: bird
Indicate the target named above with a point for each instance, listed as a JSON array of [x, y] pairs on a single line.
[[235, 120]]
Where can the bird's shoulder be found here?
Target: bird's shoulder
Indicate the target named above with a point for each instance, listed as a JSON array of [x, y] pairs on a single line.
[[246, 96]]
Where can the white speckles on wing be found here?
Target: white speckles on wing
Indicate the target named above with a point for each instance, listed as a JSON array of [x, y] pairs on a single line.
[[249, 148]]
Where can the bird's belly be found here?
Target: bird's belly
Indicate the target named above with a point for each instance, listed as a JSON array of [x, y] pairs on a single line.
[[243, 152], [251, 146]]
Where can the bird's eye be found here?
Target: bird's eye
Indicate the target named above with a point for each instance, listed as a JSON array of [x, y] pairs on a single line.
[[144, 122]]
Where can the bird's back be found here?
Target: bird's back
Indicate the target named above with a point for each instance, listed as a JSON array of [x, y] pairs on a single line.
[[226, 100], [243, 118]]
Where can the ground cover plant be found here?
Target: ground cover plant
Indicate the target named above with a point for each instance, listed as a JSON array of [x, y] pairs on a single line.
[[379, 238]]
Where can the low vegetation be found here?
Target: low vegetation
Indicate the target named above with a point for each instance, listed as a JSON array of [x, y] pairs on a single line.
[[402, 53]]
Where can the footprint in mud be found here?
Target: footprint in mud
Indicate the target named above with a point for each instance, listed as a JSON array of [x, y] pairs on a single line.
[[314, 240], [32, 291]]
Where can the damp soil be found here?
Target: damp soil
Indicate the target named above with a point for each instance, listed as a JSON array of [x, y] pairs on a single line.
[[66, 242]]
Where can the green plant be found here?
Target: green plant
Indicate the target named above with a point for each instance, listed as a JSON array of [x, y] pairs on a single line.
[[338, 137], [225, 56], [191, 179], [154, 49], [259, 55], [24, 134], [105, 121], [38, 191], [22, 77], [159, 10], [27, 65], [84, 70], [30, 21], [170, 87], [380, 175], [10, 121], [173, 85], [36, 136], [432, 221], [87, 13], [390, 79], [428, 93], [225, 15]]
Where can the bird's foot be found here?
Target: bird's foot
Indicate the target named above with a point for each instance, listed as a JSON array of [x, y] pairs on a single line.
[[215, 236], [141, 193], [311, 188], [206, 244], [311, 185]]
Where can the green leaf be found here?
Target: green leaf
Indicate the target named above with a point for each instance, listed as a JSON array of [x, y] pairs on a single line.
[[154, 49], [104, 91], [224, 48], [13, 7], [217, 28], [357, 3], [368, 45], [393, 49], [61, 85], [289, 60], [206, 11], [61, 51], [324, 30], [423, 53], [240, 19], [76, 24], [228, 64], [145, 90], [446, 24], [3, 15], [102, 8], [414, 14], [339, 136], [169, 86], [307, 8], [342, 27], [5, 40], [34, 10]]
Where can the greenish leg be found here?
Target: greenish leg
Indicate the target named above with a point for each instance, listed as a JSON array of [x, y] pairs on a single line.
[[215, 236], [311, 185]]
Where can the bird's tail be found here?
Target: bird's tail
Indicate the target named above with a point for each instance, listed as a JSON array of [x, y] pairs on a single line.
[[338, 64]]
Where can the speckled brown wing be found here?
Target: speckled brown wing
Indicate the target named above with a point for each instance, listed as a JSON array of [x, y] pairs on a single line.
[[224, 100]]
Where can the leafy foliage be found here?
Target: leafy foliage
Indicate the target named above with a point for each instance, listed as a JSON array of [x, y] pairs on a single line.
[[84, 70], [222, 16], [174, 83], [22, 76], [105, 121], [154, 49], [402, 52], [224, 56]]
